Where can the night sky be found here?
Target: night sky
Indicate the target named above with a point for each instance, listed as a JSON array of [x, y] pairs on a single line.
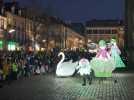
[[80, 10]]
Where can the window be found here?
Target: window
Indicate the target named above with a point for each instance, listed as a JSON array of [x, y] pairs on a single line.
[[2, 23], [11, 46], [1, 44], [14, 22], [89, 31], [114, 31], [101, 32]]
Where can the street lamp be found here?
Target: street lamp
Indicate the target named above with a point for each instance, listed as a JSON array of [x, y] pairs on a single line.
[[11, 30], [44, 41], [37, 47], [11, 45], [11, 33]]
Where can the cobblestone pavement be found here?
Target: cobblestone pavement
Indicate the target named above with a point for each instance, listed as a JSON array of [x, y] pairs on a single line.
[[50, 87]]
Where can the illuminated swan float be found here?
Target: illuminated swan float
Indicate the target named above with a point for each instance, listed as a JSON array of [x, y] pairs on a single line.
[[65, 69]]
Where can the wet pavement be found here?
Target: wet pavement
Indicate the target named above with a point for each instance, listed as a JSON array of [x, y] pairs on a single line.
[[50, 87]]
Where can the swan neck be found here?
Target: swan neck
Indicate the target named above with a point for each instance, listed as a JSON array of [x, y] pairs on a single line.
[[62, 59]]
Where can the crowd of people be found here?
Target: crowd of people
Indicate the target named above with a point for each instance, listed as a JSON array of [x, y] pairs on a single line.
[[18, 64], [15, 65]]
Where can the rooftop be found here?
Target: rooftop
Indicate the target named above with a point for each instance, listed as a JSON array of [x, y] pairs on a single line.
[[104, 23]]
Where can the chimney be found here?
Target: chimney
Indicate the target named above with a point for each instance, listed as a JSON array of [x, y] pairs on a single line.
[[13, 9], [13, 0], [1, 3], [2, 10], [19, 12]]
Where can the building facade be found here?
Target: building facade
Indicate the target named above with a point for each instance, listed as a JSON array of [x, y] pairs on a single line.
[[74, 39], [3, 27], [34, 31], [129, 37], [105, 29], [62, 36]]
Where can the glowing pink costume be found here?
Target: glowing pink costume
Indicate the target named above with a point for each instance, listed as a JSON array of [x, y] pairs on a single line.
[[102, 53], [102, 62]]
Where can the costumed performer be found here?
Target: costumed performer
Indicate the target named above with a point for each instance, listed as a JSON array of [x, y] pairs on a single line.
[[102, 64], [115, 54], [84, 69]]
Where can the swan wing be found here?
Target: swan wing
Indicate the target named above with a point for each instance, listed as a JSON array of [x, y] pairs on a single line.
[[66, 69]]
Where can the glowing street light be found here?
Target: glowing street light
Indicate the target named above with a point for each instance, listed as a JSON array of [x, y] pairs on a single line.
[[11, 30], [43, 40], [37, 47]]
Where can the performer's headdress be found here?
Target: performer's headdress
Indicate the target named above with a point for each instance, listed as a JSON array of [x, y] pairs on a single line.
[[112, 41], [102, 43]]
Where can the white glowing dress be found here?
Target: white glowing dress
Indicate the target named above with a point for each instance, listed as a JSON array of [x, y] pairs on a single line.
[[65, 68], [84, 67], [103, 65]]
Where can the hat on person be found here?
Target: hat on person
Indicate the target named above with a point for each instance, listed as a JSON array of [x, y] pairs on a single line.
[[112, 41], [102, 43]]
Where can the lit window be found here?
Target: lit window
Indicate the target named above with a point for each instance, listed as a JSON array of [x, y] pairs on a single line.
[[11, 46], [1, 44]]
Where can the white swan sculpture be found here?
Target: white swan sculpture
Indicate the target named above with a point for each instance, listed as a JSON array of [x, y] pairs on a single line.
[[65, 69]]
